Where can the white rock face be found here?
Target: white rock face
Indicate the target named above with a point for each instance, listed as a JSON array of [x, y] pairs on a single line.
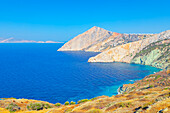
[[88, 38], [98, 40], [126, 52]]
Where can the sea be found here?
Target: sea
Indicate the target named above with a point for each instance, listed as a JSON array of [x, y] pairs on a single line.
[[38, 71]]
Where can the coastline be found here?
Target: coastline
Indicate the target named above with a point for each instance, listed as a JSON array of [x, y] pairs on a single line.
[[149, 89], [120, 90]]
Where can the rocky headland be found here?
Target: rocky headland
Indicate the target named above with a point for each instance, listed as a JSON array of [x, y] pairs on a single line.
[[145, 49], [98, 39]]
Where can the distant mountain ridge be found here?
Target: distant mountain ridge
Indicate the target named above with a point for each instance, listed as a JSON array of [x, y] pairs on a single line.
[[13, 40]]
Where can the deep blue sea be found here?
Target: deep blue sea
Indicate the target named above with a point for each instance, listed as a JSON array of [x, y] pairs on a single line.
[[39, 71]]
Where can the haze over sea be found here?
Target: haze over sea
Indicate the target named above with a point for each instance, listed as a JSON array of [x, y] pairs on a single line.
[[39, 71]]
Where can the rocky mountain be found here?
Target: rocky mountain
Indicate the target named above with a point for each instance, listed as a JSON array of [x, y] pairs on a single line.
[[121, 47], [88, 38], [98, 39], [127, 52]]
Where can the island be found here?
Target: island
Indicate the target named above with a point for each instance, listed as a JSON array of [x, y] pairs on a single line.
[[13, 40]]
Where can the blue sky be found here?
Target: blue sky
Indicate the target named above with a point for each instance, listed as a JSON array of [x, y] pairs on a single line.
[[61, 20]]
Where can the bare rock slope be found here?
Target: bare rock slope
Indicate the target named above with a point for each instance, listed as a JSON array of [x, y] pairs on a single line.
[[156, 54], [98, 39], [126, 52], [86, 39]]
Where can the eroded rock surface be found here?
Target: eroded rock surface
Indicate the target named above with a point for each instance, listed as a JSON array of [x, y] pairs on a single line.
[[126, 52], [88, 38], [98, 39]]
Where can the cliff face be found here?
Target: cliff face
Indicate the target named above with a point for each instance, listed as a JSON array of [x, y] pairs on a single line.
[[126, 52], [98, 40], [155, 54], [116, 39]]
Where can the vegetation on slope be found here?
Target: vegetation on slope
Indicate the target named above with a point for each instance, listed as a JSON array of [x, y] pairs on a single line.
[[156, 54]]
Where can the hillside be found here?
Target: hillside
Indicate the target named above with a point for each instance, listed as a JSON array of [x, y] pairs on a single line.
[[86, 39], [127, 52], [98, 39], [156, 55], [149, 95]]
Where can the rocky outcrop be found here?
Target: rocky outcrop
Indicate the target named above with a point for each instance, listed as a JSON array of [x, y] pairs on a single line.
[[155, 54], [98, 40], [126, 52]]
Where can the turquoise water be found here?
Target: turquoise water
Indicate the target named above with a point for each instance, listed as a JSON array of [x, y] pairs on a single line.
[[39, 71]]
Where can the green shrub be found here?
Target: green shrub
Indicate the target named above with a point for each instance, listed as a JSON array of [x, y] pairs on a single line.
[[38, 106], [127, 104], [66, 103], [158, 76], [12, 107], [68, 110], [108, 105], [46, 106], [95, 111], [72, 103], [57, 104], [82, 101], [93, 98], [166, 88], [35, 106], [151, 86], [122, 105], [147, 104], [162, 79]]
